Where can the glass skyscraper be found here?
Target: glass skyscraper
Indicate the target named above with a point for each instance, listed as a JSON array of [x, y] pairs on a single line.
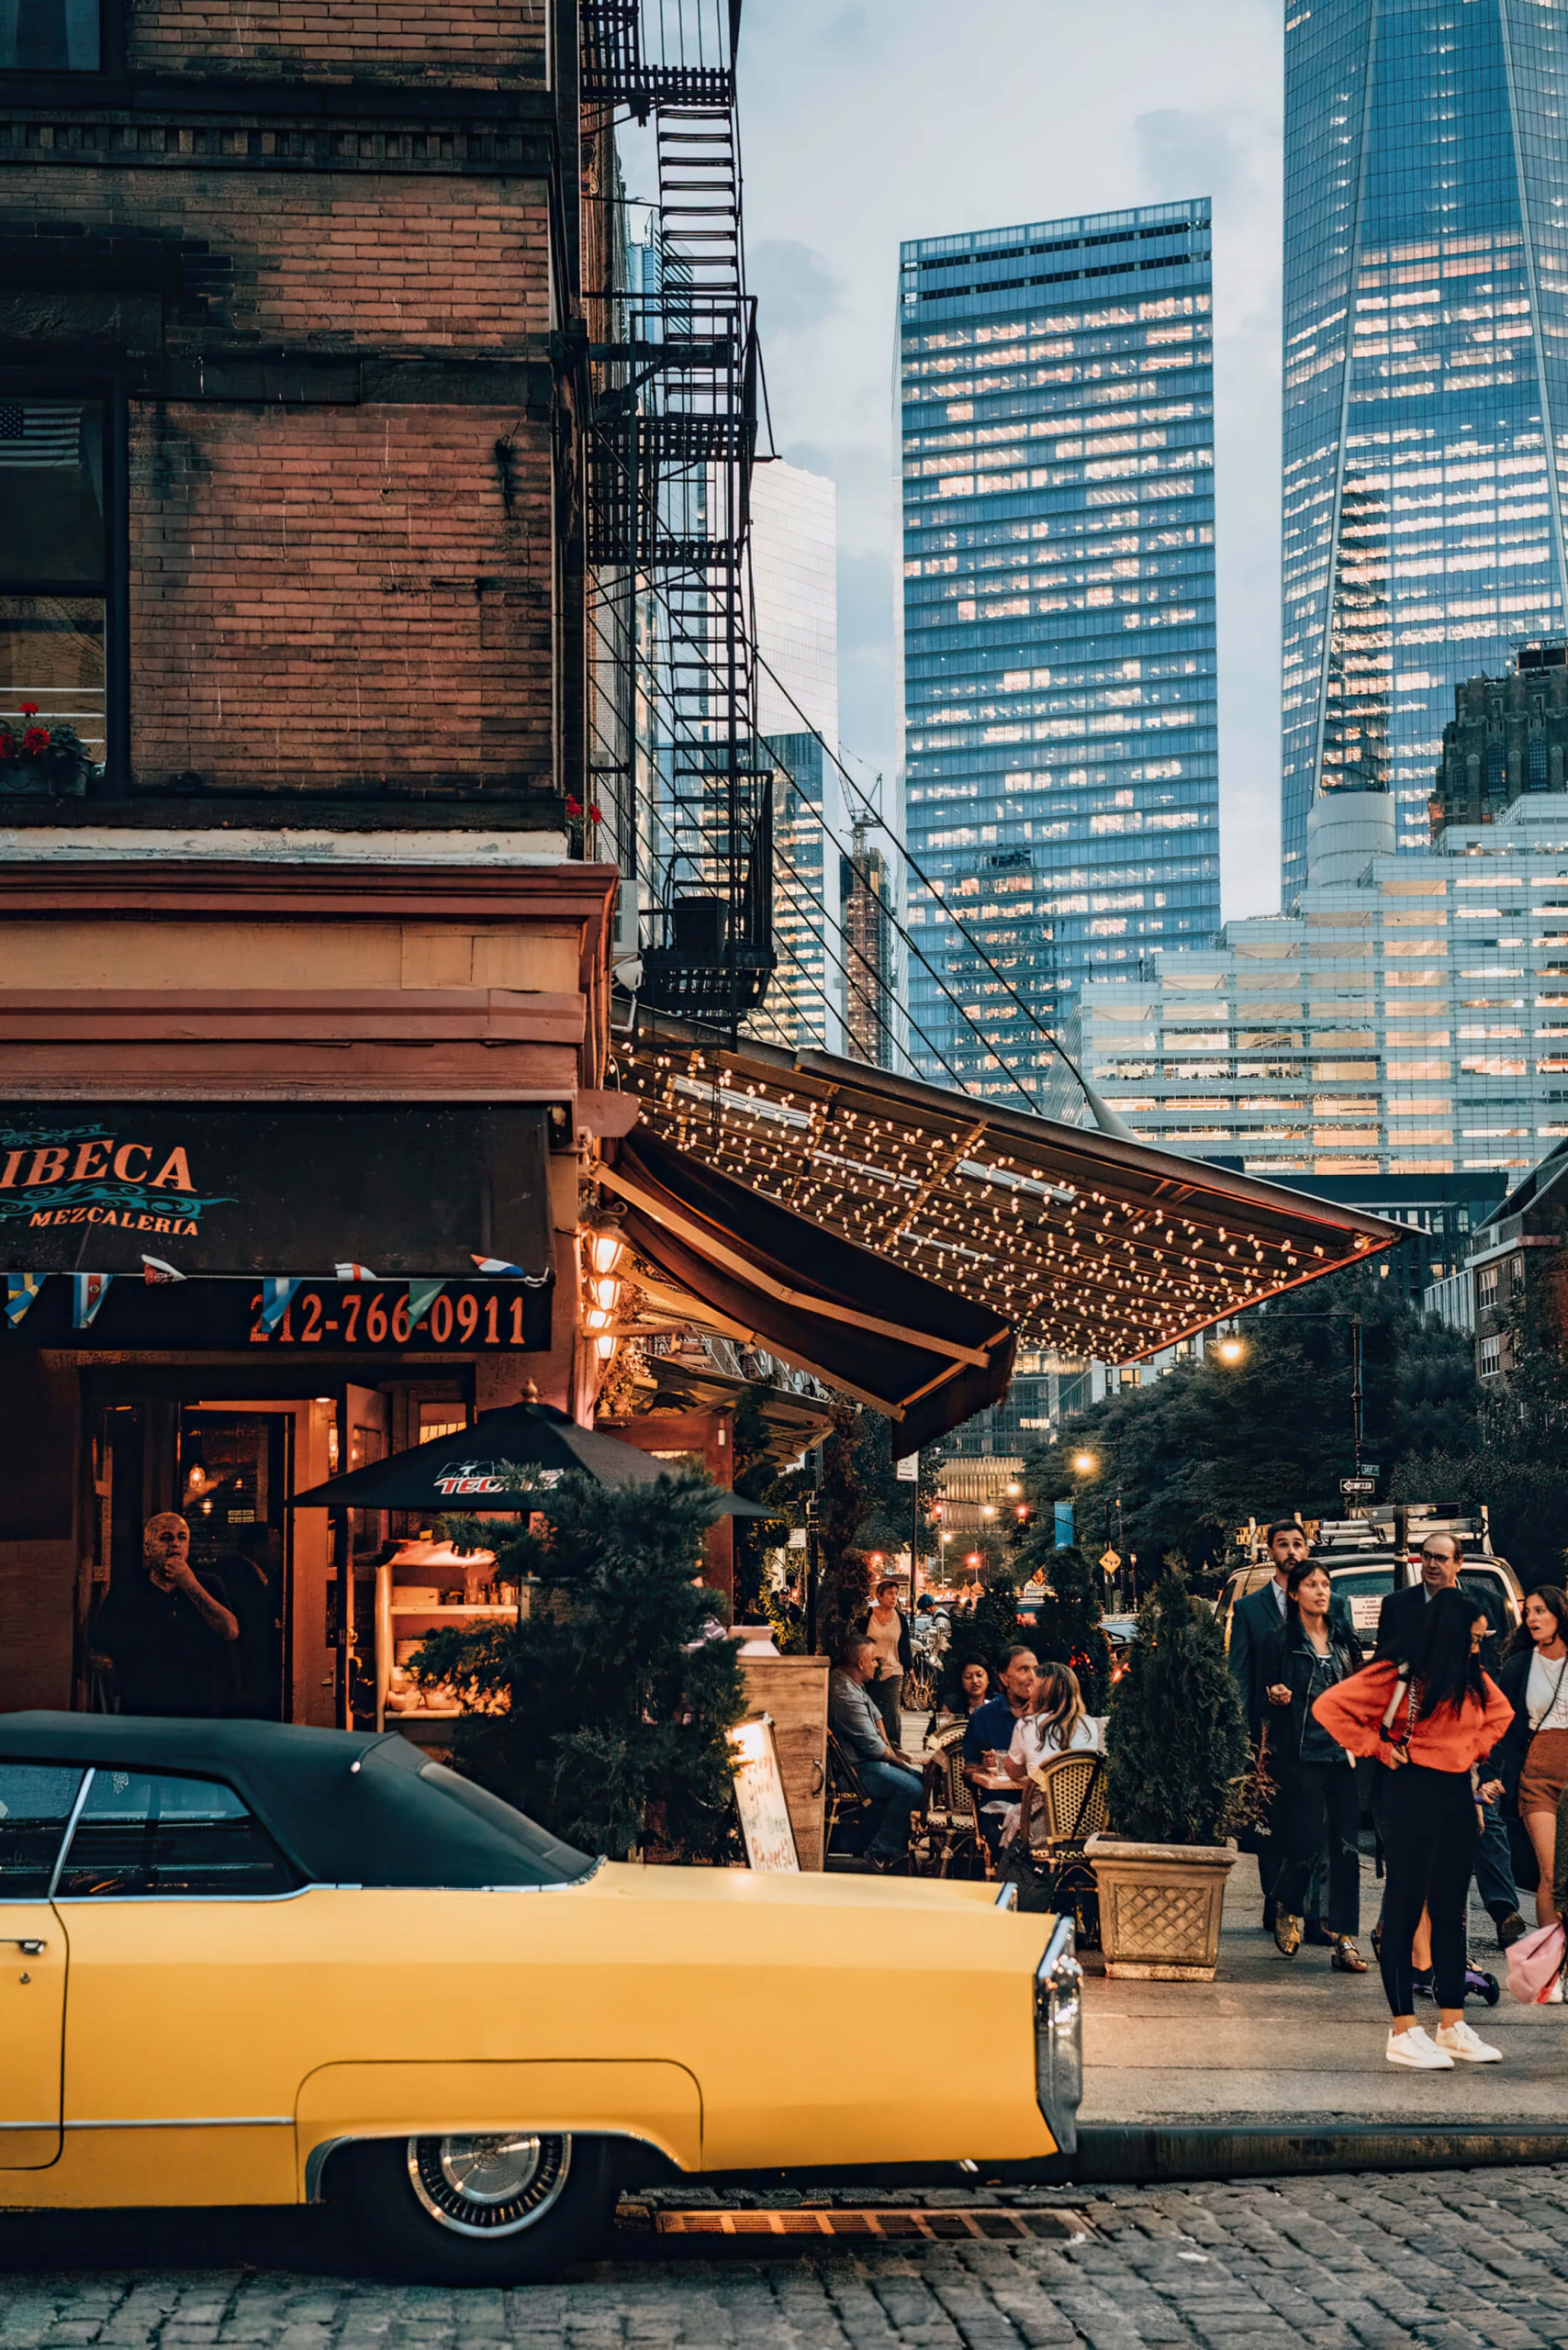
[[1426, 401], [1060, 752]]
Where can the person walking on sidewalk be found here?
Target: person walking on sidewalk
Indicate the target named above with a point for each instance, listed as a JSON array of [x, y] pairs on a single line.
[[1398, 1629], [1428, 1719], [1533, 1758], [887, 1629], [1316, 1778]]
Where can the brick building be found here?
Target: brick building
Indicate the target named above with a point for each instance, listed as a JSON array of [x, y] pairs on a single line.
[[1507, 736], [305, 944]]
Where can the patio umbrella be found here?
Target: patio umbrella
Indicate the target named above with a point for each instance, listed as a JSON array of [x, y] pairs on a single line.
[[473, 1470]]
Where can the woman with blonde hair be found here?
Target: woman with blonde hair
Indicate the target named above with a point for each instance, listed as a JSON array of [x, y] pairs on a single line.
[[1057, 1724]]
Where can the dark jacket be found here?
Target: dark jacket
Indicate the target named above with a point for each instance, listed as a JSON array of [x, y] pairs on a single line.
[[1291, 1658], [1399, 1623], [1256, 1625], [906, 1646]]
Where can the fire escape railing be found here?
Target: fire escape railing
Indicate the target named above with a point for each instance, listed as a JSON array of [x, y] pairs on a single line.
[[670, 447]]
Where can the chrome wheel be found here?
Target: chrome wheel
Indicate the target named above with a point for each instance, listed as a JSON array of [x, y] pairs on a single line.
[[491, 2185]]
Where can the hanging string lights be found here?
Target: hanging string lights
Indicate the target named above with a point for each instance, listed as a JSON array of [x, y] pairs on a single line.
[[1086, 1244]]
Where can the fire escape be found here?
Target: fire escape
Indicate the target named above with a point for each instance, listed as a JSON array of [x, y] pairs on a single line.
[[670, 444]]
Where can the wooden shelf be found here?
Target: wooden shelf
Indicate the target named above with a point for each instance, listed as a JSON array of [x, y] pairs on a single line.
[[435, 1610]]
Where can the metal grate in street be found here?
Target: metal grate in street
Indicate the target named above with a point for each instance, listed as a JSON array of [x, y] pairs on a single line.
[[889, 2224]]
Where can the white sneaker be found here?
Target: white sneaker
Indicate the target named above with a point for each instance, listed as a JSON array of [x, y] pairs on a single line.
[[1554, 1997], [1467, 2047], [1413, 2048]]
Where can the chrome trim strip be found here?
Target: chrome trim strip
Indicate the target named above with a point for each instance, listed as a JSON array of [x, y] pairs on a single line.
[[29, 2125], [70, 1830], [317, 2159], [195, 2122]]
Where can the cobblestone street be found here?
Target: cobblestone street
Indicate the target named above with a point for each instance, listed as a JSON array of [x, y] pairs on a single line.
[[1451, 2258]]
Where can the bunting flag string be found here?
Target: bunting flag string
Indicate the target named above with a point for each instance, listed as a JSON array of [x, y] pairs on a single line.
[[20, 1290], [88, 1292], [277, 1295], [499, 1265], [355, 1274], [421, 1297], [156, 1270]]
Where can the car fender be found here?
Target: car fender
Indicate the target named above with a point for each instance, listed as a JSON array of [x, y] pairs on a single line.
[[657, 2102]]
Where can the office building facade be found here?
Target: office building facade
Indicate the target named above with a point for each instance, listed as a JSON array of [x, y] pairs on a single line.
[[1425, 380], [1058, 619]]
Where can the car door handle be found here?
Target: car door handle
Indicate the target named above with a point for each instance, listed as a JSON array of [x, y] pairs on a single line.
[[26, 1944]]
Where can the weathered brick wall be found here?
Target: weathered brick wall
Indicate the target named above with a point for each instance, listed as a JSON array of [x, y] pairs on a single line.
[[324, 597], [463, 43], [351, 588], [336, 261]]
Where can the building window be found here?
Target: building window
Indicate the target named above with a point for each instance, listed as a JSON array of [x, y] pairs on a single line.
[[1486, 1285], [50, 36], [53, 582], [1490, 1358], [1538, 762]]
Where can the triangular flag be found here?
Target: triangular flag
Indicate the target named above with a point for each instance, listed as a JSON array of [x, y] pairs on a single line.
[[155, 1269], [499, 1265], [89, 1290], [355, 1274], [421, 1297], [20, 1290], [277, 1296]]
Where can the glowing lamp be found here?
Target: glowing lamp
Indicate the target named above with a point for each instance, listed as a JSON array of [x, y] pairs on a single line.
[[605, 1249]]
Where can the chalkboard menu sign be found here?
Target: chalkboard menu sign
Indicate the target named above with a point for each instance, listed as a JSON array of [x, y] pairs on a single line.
[[760, 1798]]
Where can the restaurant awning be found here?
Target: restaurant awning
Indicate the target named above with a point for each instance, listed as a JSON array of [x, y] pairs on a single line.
[[1085, 1244], [874, 1329]]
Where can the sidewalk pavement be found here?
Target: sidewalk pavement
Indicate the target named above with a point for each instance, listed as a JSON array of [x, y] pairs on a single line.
[[1273, 2041]]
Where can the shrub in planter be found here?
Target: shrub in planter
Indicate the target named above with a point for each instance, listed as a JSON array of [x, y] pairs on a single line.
[[615, 1691], [1176, 1781]]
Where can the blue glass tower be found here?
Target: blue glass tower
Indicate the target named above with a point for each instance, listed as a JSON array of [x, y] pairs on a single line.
[[1059, 757], [1426, 401]]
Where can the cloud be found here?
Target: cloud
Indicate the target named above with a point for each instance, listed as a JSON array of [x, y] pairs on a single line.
[[795, 287]]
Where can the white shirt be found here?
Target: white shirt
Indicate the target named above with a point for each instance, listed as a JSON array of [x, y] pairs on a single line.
[[1547, 1675], [1033, 1739]]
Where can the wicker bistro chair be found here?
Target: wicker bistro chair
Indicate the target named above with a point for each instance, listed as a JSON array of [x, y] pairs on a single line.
[[1064, 1804], [849, 1805], [947, 1842]]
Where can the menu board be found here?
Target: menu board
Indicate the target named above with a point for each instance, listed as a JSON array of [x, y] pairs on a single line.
[[760, 1798]]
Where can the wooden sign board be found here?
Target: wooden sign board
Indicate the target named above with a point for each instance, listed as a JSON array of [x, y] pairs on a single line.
[[760, 1798]]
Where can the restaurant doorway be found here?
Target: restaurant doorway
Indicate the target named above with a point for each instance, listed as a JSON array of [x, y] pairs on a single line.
[[233, 1474]]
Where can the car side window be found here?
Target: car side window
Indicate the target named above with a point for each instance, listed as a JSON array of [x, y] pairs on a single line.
[[146, 1833], [35, 1804]]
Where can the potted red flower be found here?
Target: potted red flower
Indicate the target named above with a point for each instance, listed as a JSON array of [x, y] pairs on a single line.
[[43, 761]]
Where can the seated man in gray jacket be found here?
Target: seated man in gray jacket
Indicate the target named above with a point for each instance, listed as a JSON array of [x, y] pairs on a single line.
[[883, 1773]]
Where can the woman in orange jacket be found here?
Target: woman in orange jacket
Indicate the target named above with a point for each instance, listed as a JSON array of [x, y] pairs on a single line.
[[1428, 1719]]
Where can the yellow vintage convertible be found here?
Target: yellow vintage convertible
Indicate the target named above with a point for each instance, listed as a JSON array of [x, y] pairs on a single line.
[[243, 1963]]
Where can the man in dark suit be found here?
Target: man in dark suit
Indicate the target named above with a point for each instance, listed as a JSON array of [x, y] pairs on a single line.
[[1398, 1625], [1257, 1620], [1257, 1624]]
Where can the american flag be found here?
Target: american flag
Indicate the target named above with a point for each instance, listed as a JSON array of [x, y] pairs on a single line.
[[40, 432]]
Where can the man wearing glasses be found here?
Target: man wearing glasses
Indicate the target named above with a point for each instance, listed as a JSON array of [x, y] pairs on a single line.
[[1398, 1621]]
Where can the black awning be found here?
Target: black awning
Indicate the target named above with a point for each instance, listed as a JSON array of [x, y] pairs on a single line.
[[928, 1359], [290, 1188]]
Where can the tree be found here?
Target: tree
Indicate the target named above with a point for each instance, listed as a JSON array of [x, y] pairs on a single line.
[[615, 1697], [845, 1592], [1070, 1628], [756, 1477], [1176, 1747], [1196, 1453]]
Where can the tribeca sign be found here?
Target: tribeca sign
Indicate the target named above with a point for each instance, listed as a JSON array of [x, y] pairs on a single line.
[[90, 1177]]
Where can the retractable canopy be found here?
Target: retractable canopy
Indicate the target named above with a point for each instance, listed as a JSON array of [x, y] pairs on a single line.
[[1083, 1243], [928, 1356]]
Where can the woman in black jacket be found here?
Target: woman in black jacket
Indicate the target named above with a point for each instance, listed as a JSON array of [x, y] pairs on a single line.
[[1532, 1760], [1316, 1778]]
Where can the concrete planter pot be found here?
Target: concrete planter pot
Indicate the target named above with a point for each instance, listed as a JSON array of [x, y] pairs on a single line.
[[1160, 1906]]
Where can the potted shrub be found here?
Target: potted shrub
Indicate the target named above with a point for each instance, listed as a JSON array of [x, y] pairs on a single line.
[[44, 761], [1178, 1783]]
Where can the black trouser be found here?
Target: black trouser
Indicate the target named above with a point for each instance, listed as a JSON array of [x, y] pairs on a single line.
[[1427, 1820], [1324, 1818]]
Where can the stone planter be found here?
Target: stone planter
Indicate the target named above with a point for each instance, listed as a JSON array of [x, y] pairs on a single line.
[[1160, 1906]]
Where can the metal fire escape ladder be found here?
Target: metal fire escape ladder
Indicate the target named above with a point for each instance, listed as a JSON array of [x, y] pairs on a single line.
[[669, 475]]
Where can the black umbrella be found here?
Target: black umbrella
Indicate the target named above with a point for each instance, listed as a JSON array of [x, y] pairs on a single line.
[[477, 1468]]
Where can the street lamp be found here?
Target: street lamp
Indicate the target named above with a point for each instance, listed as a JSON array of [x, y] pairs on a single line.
[[1085, 1464], [1231, 1349]]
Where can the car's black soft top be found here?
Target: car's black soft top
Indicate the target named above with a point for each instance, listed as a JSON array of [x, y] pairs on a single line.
[[347, 1808]]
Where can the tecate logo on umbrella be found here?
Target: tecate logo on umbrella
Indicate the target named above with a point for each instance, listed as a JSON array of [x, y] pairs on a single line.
[[472, 1477]]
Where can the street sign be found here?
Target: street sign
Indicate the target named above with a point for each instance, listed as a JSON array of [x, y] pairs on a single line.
[[1110, 1560], [1363, 1485], [907, 1470]]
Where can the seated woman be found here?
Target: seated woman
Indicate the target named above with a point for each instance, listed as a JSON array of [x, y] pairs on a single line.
[[1316, 1778], [966, 1685], [1057, 1725]]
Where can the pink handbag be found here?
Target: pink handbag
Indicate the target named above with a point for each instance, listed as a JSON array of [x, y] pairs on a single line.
[[1535, 1962]]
